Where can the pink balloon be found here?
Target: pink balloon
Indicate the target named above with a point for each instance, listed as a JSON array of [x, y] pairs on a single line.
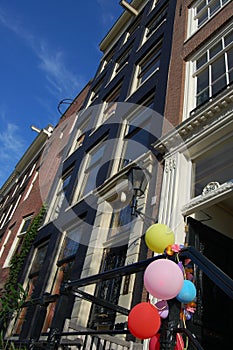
[[163, 279]]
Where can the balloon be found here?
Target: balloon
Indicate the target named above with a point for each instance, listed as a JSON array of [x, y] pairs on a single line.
[[163, 279], [187, 293], [154, 342], [162, 307], [158, 237], [144, 320]]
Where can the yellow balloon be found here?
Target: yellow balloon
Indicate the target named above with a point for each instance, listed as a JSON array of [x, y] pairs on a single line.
[[158, 237]]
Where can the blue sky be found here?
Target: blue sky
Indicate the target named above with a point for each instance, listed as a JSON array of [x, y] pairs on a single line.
[[49, 51]]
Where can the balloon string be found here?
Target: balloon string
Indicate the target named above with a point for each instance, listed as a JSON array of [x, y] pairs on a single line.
[[186, 338]]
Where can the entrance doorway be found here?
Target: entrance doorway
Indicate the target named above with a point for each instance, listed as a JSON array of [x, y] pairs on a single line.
[[213, 321]]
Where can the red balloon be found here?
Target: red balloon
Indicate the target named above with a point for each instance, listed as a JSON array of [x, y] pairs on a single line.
[[154, 342], [144, 320]]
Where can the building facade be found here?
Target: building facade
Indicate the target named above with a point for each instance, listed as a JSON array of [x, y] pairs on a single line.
[[160, 101], [198, 164], [20, 201]]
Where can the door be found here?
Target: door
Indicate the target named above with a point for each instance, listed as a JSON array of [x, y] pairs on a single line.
[[213, 321]]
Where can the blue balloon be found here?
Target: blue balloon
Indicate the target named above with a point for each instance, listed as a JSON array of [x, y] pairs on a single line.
[[188, 292]]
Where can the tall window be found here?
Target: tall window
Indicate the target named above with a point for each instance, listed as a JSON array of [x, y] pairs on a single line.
[[111, 103], [150, 64], [123, 59], [61, 194], [156, 21], [214, 69], [18, 242], [108, 290], [94, 162], [138, 135], [203, 10], [69, 249], [33, 275]]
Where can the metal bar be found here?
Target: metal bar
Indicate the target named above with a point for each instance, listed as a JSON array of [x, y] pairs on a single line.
[[101, 302], [191, 337], [95, 332], [224, 282], [121, 271]]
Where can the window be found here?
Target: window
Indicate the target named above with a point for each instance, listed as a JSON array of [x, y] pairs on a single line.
[[70, 244], [31, 185], [80, 132], [65, 263], [156, 21], [34, 272], [106, 59], [111, 103], [6, 217], [203, 10], [123, 59], [132, 28], [38, 260], [120, 220], [94, 162], [61, 194], [4, 241], [108, 290], [95, 92], [216, 165], [17, 244], [155, 2], [137, 136], [214, 69], [150, 64]]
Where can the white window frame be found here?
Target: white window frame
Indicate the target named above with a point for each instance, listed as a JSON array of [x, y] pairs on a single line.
[[193, 16], [85, 171], [190, 102], [16, 241]]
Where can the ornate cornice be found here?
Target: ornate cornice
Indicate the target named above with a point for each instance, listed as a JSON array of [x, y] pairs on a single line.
[[202, 122], [208, 197]]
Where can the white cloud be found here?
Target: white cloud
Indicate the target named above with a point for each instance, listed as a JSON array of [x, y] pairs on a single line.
[[108, 15], [61, 80], [11, 149], [12, 144]]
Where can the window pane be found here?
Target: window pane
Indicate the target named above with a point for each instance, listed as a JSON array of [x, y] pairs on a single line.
[[90, 181], [201, 6], [230, 64], [26, 225], [217, 68], [218, 75], [215, 49], [214, 6], [201, 61], [70, 248], [203, 17], [203, 80], [96, 155], [39, 258], [228, 39]]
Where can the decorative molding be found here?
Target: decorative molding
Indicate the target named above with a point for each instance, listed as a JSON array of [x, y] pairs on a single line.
[[212, 116], [212, 196], [211, 186], [170, 164]]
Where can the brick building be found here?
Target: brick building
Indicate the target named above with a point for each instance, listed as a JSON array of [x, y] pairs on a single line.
[[160, 101]]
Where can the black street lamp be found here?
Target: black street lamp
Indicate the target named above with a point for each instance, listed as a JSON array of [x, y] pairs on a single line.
[[139, 182]]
